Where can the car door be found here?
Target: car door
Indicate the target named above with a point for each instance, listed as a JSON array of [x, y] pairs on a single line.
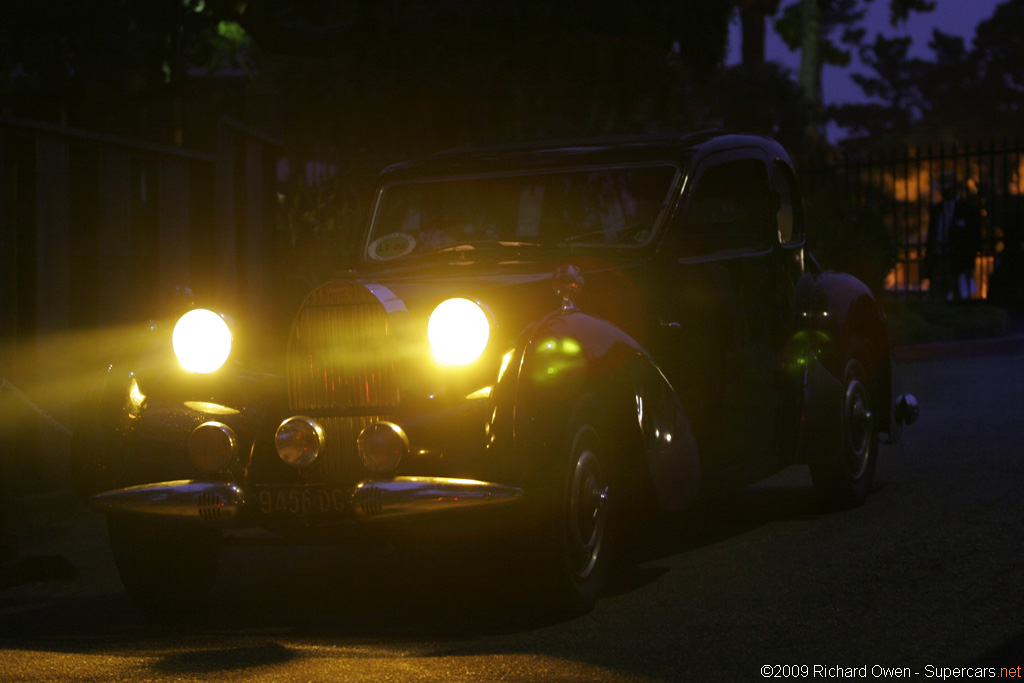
[[724, 310]]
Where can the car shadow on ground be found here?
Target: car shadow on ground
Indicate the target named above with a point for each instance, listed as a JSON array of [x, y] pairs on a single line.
[[713, 519], [437, 590], [460, 590]]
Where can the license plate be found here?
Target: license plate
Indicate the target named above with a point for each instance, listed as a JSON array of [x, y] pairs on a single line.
[[301, 501]]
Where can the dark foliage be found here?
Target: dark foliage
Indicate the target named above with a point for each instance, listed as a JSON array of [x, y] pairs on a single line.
[[964, 93], [359, 83]]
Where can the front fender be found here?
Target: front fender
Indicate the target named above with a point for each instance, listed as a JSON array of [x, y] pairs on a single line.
[[146, 407], [109, 410], [571, 354]]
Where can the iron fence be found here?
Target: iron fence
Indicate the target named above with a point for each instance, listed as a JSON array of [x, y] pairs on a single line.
[[95, 232], [904, 186]]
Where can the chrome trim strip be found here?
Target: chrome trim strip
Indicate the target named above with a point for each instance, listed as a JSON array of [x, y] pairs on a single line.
[[387, 298], [220, 504], [216, 504], [403, 496]]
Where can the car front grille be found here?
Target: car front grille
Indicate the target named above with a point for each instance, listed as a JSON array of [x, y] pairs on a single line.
[[341, 370], [338, 356]]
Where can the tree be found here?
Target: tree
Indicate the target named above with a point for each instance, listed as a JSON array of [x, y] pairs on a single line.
[[429, 73], [456, 72], [998, 57], [958, 95], [897, 87], [753, 16], [758, 98], [111, 65], [811, 27]]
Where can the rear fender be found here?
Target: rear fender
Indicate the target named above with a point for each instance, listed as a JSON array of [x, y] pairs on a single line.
[[821, 426], [844, 309]]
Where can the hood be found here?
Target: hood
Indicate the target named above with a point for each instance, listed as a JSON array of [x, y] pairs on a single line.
[[514, 292]]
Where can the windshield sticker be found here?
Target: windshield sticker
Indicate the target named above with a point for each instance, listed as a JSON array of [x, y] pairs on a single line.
[[641, 236], [391, 246]]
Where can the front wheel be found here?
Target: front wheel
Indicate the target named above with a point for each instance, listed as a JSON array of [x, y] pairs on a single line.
[[843, 478], [583, 512], [166, 569]]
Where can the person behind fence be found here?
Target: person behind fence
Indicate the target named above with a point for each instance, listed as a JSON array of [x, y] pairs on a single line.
[[954, 239], [1006, 286]]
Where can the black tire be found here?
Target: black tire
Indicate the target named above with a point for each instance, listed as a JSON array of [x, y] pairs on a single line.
[[582, 514], [166, 569], [843, 478]]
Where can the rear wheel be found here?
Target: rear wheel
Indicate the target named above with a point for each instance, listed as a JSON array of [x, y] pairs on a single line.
[[166, 569], [843, 478]]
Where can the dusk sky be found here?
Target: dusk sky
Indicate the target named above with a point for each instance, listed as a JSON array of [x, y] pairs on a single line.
[[957, 17]]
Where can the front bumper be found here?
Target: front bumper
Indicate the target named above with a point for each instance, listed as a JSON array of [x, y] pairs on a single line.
[[226, 504]]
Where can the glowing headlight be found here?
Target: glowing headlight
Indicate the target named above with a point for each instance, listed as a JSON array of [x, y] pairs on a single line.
[[458, 331], [201, 341]]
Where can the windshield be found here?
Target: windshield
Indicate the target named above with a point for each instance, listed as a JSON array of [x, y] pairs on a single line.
[[619, 206]]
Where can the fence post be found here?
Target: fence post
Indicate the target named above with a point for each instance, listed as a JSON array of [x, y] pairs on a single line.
[[8, 317], [255, 227], [8, 328], [8, 248], [174, 238], [52, 299], [114, 228], [225, 242]]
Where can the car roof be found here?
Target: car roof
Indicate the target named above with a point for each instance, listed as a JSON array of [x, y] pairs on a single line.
[[559, 154]]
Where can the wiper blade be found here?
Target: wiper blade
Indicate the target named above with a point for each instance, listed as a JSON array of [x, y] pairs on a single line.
[[466, 249], [471, 246]]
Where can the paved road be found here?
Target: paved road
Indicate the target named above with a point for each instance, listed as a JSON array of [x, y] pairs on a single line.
[[928, 576]]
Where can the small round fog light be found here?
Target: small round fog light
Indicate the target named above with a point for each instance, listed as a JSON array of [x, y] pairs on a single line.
[[382, 445], [299, 440], [212, 446]]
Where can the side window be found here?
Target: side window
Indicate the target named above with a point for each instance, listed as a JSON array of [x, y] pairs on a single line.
[[729, 209], [787, 217]]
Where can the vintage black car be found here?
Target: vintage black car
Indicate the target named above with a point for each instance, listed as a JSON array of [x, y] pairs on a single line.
[[563, 337]]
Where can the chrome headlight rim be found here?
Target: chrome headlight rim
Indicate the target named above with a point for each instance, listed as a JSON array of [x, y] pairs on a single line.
[[212, 447], [382, 446], [299, 441]]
